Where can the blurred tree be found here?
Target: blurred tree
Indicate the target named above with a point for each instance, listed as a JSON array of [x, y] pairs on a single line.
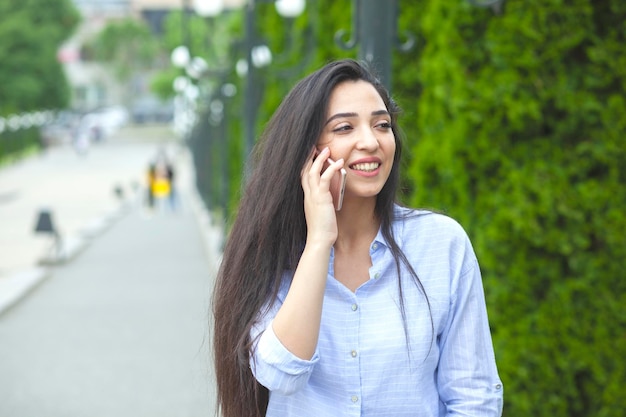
[[31, 77], [130, 50], [126, 46], [213, 39]]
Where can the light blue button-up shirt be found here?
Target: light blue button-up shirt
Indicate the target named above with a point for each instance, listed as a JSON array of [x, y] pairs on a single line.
[[365, 363]]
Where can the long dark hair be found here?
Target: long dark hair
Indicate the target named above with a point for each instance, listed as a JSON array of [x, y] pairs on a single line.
[[269, 231]]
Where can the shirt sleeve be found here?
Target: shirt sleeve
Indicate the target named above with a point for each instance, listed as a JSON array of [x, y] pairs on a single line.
[[274, 366], [467, 377]]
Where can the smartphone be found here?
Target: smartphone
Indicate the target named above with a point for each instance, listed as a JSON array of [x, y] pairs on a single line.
[[338, 186]]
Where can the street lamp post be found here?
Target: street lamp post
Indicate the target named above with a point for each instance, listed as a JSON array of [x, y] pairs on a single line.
[[252, 97], [258, 55], [211, 137], [180, 58], [374, 28], [208, 8], [225, 92]]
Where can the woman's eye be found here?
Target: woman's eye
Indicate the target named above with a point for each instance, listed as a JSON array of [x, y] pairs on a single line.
[[343, 128], [384, 125]]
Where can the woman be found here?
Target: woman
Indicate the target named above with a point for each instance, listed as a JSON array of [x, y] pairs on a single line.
[[373, 310]]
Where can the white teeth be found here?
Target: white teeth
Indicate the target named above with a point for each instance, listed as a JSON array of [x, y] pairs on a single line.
[[368, 166]]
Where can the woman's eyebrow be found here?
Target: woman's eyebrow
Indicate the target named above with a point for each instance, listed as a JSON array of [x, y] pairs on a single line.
[[340, 115]]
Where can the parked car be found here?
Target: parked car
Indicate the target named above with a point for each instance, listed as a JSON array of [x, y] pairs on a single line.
[[62, 129], [150, 109], [103, 122], [93, 126]]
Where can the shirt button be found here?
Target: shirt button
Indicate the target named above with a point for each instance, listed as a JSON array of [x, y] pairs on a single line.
[[375, 246], [354, 398], [354, 307], [353, 353], [498, 386], [377, 275]]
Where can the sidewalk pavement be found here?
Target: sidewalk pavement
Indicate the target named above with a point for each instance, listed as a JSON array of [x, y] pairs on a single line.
[[85, 195]]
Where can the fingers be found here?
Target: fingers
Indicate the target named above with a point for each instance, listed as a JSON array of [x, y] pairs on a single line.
[[314, 162], [334, 166], [320, 157], [314, 175], [306, 169]]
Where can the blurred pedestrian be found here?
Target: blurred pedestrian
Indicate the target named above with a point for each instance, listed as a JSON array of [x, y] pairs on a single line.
[[373, 310], [150, 176], [161, 188], [171, 176]]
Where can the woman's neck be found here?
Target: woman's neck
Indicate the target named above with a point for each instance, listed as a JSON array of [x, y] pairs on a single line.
[[357, 224]]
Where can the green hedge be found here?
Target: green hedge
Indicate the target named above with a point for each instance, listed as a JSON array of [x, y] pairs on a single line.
[[517, 124], [15, 144]]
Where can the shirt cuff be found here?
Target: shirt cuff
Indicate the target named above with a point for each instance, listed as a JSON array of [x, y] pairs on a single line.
[[273, 353]]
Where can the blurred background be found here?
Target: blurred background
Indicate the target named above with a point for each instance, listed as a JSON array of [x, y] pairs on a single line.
[[514, 117]]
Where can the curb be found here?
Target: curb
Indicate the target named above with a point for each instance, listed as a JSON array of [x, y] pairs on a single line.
[[212, 235], [72, 246], [15, 287]]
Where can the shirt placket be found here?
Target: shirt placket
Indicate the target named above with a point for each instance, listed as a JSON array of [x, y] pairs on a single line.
[[353, 332], [353, 367]]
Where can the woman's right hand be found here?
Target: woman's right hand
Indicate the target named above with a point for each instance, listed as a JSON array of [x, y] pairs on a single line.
[[319, 210], [297, 322]]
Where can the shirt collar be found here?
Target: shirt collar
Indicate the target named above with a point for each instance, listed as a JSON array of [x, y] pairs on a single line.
[[397, 226]]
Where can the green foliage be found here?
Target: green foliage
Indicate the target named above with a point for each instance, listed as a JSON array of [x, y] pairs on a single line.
[[31, 78], [516, 129], [162, 82], [210, 38], [127, 46], [16, 144]]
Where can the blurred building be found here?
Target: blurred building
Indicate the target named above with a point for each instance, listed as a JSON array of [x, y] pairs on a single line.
[[155, 11], [118, 8]]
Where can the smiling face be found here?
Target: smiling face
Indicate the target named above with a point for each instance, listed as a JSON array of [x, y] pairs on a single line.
[[358, 129]]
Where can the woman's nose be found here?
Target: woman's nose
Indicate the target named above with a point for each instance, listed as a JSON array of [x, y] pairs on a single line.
[[367, 140]]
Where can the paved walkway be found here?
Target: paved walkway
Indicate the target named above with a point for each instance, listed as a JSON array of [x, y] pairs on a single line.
[[118, 325], [79, 191]]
